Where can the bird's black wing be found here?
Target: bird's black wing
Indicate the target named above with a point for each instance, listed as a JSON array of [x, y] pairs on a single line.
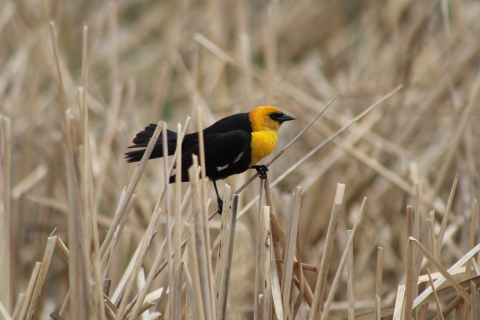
[[225, 154], [142, 139]]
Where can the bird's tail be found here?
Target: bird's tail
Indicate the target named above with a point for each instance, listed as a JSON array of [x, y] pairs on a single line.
[[141, 141]]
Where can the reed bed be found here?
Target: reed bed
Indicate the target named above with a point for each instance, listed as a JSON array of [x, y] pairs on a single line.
[[370, 207]]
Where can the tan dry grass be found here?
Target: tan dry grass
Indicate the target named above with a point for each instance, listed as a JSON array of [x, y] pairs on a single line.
[[143, 61]]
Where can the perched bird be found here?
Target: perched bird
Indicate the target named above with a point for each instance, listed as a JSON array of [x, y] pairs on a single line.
[[233, 144]]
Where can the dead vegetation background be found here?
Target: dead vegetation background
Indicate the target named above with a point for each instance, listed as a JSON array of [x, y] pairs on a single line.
[[159, 60]]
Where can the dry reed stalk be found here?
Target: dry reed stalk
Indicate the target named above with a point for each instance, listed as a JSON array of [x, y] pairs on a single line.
[[336, 279], [409, 278], [290, 251], [437, 302], [460, 128], [433, 242], [138, 301], [204, 213], [4, 312], [229, 254], [399, 303], [177, 299], [87, 188], [201, 247], [28, 182], [475, 311], [442, 270], [439, 241], [168, 214], [317, 304], [378, 283], [350, 280], [144, 245], [6, 253], [267, 250], [105, 263], [18, 306], [140, 285], [277, 233], [131, 187], [473, 229], [196, 285], [40, 279], [298, 269], [409, 281], [79, 263], [276, 290], [259, 277], [423, 296], [224, 255]]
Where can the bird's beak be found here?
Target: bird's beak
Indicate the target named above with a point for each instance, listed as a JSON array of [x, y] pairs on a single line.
[[285, 117]]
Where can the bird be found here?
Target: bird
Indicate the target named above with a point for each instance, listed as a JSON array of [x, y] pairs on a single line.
[[232, 145]]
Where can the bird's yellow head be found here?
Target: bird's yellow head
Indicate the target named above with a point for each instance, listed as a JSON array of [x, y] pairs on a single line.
[[267, 118]]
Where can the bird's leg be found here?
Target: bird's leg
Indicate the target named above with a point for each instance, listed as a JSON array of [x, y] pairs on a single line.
[[261, 170], [219, 200]]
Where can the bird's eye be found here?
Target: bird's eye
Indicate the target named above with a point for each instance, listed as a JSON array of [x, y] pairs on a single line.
[[274, 116]]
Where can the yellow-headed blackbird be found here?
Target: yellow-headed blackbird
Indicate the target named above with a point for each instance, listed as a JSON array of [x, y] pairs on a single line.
[[232, 144]]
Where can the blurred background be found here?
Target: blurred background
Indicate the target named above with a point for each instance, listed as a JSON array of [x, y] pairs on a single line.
[[158, 60]]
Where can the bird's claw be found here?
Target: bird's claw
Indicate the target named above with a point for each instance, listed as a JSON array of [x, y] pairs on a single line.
[[262, 171]]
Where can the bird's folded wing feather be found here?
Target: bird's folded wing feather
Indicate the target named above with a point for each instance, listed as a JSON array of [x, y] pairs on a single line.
[[223, 151]]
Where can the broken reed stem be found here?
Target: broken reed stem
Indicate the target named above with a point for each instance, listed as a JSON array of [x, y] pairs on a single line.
[[168, 214], [350, 280], [331, 294], [131, 187], [4, 312], [224, 255], [138, 261], [442, 270], [204, 214], [473, 229], [228, 264], [378, 282], [327, 253], [177, 300], [201, 247], [138, 301], [441, 233], [290, 250], [193, 267], [267, 286], [18, 306], [88, 198], [6, 250], [426, 293], [42, 274], [258, 256], [409, 283], [278, 233], [437, 302], [30, 288]]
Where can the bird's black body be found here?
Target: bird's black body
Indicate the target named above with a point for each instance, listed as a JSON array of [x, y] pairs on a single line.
[[227, 147]]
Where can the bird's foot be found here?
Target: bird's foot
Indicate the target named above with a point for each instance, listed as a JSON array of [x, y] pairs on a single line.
[[261, 170], [220, 205]]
